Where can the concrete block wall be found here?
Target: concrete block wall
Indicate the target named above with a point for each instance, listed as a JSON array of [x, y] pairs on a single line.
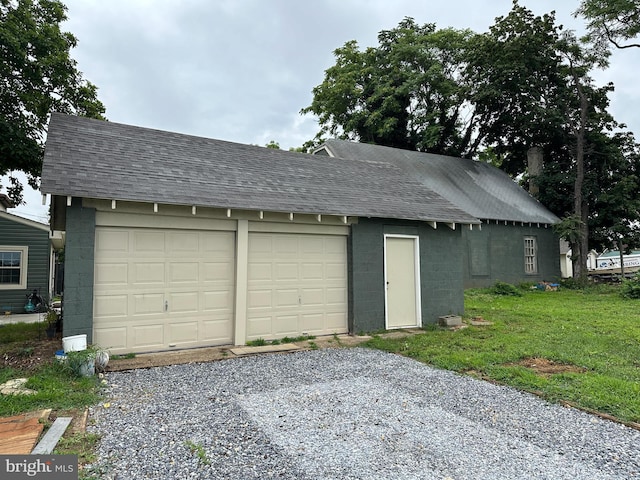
[[78, 271], [440, 267], [503, 245]]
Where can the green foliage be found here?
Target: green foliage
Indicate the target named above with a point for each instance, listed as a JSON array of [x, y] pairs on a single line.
[[37, 76], [502, 288], [199, 451], [631, 288], [611, 22], [593, 330], [258, 342]]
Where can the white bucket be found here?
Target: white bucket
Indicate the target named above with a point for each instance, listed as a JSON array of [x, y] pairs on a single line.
[[74, 343]]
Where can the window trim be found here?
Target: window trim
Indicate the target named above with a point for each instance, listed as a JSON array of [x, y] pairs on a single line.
[[24, 265], [531, 268]]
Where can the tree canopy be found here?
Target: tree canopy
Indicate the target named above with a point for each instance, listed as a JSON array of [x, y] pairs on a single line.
[[615, 22], [37, 76]]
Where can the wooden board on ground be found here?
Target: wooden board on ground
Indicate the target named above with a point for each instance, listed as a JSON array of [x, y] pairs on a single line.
[[19, 434]]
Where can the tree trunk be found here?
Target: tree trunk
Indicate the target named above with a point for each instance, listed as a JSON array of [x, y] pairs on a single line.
[[581, 209]]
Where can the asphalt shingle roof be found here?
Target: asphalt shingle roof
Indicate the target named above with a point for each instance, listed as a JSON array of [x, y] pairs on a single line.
[[106, 160], [478, 188]]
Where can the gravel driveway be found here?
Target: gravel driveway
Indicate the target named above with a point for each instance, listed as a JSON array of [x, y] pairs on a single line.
[[345, 414]]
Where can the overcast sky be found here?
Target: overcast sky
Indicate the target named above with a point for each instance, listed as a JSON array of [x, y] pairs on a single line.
[[241, 70]]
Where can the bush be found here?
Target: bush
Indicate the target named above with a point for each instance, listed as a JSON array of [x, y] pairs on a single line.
[[631, 288], [502, 288]]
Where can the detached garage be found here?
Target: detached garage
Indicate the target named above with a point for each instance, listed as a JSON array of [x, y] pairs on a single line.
[[175, 241]]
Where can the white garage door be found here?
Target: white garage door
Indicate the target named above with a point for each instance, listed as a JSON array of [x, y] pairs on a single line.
[[163, 289], [297, 284]]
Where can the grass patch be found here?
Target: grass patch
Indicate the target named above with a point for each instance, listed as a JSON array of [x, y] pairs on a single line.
[[26, 355], [20, 332], [595, 330], [259, 342], [124, 356]]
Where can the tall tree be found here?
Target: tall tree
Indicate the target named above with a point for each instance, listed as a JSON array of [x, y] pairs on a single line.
[[37, 76], [612, 22], [407, 92]]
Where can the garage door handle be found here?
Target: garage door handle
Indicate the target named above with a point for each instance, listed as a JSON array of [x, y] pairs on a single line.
[[166, 305]]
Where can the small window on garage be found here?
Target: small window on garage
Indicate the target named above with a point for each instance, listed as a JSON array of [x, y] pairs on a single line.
[[530, 255], [13, 268]]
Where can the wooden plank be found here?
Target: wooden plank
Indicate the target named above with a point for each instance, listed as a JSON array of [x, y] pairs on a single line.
[[50, 439], [19, 437]]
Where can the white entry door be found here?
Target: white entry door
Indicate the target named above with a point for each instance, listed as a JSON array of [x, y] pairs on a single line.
[[402, 280]]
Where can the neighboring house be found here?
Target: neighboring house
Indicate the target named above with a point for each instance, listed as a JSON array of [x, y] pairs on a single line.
[[515, 242], [25, 259], [175, 241]]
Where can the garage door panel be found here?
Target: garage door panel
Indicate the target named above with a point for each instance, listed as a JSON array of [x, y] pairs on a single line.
[[147, 303], [286, 325], [147, 336], [183, 332], [148, 243], [334, 321], [336, 296], [312, 271], [286, 246], [114, 338], [111, 274], [111, 305], [218, 301], [217, 271], [116, 241], [312, 245], [260, 272], [286, 272], [310, 281], [335, 271], [183, 272], [312, 297], [287, 298], [259, 327], [259, 299], [182, 244], [147, 273], [186, 302], [217, 331], [312, 323]]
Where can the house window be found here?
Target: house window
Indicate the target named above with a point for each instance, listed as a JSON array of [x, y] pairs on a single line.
[[13, 268], [530, 255]]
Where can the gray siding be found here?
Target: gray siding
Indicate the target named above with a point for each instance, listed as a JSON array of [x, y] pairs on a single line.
[[496, 253], [17, 234], [78, 271], [440, 268]]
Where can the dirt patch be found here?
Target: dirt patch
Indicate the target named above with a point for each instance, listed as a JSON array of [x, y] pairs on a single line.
[[28, 355], [545, 367]]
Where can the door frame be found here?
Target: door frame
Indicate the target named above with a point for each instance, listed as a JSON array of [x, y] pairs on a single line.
[[418, 299]]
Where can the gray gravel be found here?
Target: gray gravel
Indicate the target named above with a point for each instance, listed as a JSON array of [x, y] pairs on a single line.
[[345, 414]]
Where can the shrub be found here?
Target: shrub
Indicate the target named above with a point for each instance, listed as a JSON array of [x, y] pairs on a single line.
[[631, 288], [502, 288]]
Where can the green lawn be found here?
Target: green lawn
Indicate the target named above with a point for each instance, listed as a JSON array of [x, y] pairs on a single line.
[[595, 330], [57, 388]]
